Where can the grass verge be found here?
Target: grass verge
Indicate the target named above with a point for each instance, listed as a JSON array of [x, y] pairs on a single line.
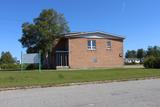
[[10, 79]]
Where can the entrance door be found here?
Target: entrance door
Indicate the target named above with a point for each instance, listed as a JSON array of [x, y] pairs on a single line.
[[61, 59]]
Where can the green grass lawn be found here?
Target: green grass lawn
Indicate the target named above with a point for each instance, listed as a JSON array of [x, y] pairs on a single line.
[[34, 78]]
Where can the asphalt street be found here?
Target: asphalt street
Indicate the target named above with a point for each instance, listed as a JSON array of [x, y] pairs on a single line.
[[142, 93]]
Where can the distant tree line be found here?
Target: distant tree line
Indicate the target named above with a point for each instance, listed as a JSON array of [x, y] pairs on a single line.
[[139, 54], [151, 56]]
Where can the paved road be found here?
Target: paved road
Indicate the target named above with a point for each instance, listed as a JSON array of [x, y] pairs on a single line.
[[144, 93]]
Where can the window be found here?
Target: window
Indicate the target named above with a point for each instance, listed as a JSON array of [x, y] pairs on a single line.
[[109, 44], [91, 45]]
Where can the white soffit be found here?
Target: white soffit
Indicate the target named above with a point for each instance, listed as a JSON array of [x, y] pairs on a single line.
[[94, 36]]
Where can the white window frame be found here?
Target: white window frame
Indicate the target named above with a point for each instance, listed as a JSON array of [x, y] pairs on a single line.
[[91, 47]]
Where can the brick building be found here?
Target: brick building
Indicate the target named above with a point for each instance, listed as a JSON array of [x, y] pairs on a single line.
[[88, 50]]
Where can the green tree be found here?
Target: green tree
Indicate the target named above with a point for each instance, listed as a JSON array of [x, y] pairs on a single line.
[[141, 54], [153, 51], [131, 54], [41, 35], [6, 58]]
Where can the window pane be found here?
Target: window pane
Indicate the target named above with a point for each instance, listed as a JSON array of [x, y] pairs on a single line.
[[93, 43], [89, 43]]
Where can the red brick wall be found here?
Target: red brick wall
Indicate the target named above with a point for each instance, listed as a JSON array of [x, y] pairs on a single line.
[[81, 57]]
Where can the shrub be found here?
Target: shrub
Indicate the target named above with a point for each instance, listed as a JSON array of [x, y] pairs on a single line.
[[32, 67], [152, 62], [9, 66]]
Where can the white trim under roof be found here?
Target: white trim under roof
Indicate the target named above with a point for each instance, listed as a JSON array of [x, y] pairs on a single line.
[[93, 35]]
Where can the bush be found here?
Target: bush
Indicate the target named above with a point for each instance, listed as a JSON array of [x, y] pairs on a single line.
[[32, 67], [152, 62], [9, 66]]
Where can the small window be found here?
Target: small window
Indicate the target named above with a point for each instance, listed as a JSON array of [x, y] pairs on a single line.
[[91, 45], [109, 44]]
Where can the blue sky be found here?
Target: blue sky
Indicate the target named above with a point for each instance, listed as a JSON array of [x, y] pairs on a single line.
[[137, 20]]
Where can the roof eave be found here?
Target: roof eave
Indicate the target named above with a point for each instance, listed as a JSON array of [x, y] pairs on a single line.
[[76, 35]]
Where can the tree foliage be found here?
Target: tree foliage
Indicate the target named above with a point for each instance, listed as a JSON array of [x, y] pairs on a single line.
[[131, 54], [141, 53], [42, 33], [152, 62], [6, 58], [152, 59], [153, 51]]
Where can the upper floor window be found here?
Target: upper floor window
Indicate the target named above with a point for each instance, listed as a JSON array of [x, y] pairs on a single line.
[[91, 45], [109, 44]]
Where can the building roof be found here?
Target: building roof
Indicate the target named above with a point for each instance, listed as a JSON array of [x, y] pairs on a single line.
[[93, 35]]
